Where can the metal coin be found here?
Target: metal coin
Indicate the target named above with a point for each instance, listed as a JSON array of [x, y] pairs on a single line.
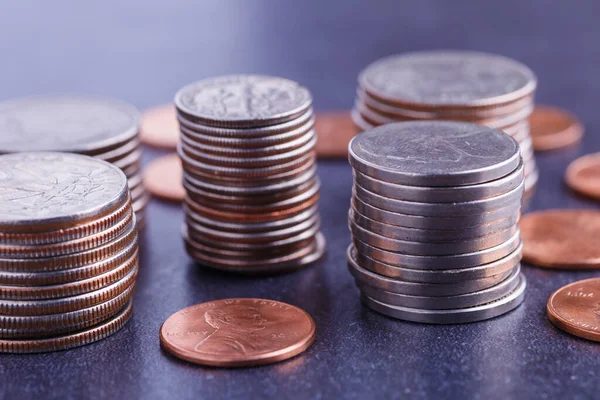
[[434, 153], [359, 122], [65, 123], [454, 316], [163, 176], [507, 199], [583, 176], [243, 101], [65, 342], [159, 127], [474, 299], [438, 275], [366, 277], [447, 79], [120, 153], [67, 189], [334, 130], [477, 222], [466, 260], [553, 128]]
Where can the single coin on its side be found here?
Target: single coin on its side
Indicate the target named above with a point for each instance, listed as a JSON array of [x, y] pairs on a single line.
[[583, 176], [159, 127], [575, 308], [163, 178], [238, 332], [552, 128]]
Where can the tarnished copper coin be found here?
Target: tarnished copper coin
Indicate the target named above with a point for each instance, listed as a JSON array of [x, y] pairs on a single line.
[[334, 131], [583, 176], [163, 176], [553, 128], [562, 239], [159, 127], [238, 332], [575, 308]]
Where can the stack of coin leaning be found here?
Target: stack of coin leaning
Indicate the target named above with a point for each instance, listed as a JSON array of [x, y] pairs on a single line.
[[451, 85], [249, 171], [68, 251], [433, 219], [98, 127]]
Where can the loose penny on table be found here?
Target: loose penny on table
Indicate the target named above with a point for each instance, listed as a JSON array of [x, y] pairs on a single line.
[[238, 332], [159, 127], [334, 131], [163, 178], [566, 239], [575, 308], [583, 176], [552, 128]]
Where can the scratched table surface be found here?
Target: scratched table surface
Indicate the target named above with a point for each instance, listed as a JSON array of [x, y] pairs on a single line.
[[143, 51]]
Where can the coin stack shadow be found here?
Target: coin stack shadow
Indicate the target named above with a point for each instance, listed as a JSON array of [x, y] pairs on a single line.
[[463, 86], [434, 219], [103, 128], [249, 174], [68, 251]]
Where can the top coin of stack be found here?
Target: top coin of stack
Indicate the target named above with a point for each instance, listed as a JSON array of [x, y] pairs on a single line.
[[464, 86], [247, 151], [102, 128], [68, 251], [434, 221]]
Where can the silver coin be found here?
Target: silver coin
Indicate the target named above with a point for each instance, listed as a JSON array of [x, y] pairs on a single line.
[[437, 79], [466, 208], [66, 123], [454, 316], [42, 191], [473, 299], [457, 261], [434, 153], [240, 101], [129, 162], [455, 194], [475, 221], [120, 152], [365, 277], [431, 249], [359, 121], [429, 235], [437, 275]]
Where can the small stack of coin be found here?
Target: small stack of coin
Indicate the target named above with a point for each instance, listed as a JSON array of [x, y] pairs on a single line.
[[103, 128], [464, 86], [68, 251], [434, 219], [247, 152]]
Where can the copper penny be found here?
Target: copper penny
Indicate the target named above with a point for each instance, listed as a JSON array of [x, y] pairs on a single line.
[[159, 127], [583, 176], [163, 176], [238, 332], [561, 239], [334, 131], [553, 128], [575, 308]]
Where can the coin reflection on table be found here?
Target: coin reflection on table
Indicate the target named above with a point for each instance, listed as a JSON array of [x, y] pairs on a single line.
[[238, 332], [553, 128]]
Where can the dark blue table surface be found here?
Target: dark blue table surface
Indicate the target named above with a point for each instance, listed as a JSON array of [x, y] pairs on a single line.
[[143, 51]]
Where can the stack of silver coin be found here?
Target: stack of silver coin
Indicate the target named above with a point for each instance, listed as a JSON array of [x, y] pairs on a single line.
[[247, 151], [68, 251], [433, 219], [98, 127], [451, 85]]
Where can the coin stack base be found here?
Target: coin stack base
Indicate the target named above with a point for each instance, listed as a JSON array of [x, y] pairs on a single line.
[[249, 173], [68, 251], [433, 220]]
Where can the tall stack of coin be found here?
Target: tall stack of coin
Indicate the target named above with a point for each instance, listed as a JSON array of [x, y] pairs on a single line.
[[434, 219], [102, 128], [247, 151], [68, 251], [464, 86]]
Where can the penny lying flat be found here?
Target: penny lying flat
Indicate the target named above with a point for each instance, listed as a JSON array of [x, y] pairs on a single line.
[[334, 129], [553, 128], [583, 176], [159, 127], [574, 308], [562, 239], [238, 332], [163, 176]]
